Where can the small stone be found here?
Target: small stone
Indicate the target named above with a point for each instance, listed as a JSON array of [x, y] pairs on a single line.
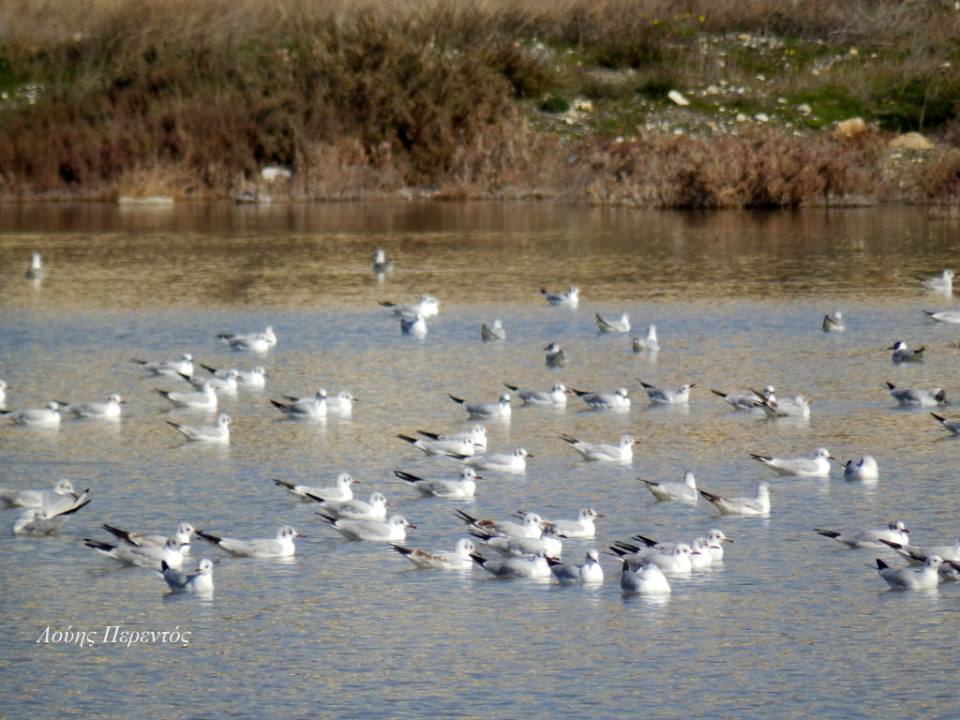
[[678, 98], [781, 101], [762, 117], [804, 109], [851, 128], [911, 141], [853, 52], [741, 117]]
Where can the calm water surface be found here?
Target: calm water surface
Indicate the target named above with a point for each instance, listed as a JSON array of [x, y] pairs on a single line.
[[791, 626]]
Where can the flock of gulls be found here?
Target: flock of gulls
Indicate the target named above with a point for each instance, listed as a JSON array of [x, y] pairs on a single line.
[[527, 545]]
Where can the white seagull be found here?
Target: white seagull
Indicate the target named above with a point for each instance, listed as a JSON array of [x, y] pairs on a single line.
[[922, 398], [569, 297], [341, 491], [169, 368], [205, 399], [218, 433], [61, 497], [148, 556], [750, 506], [798, 407], [381, 265], [555, 356], [952, 426], [459, 559], [588, 573], [258, 342], [280, 546], [833, 322], [685, 491], [374, 509], [942, 283], [926, 578], [583, 527], [816, 467], [648, 579], [463, 488], [895, 532], [745, 401], [916, 555], [254, 379], [680, 396], [556, 396], [514, 463], [200, 581], [493, 333], [944, 316], [415, 326], [3, 394], [341, 404], [521, 546], [620, 325], [226, 385], [902, 353], [514, 567], [45, 417], [864, 470], [530, 527], [648, 344], [486, 410], [183, 535], [613, 400], [427, 307], [477, 435], [109, 410], [35, 271], [622, 452], [391, 531], [313, 408]]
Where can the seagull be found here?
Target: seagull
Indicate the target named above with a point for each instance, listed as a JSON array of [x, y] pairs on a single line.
[[680, 396], [205, 399], [341, 491], [833, 322], [569, 297], [109, 410], [3, 394], [415, 326], [519, 567], [760, 505], [715, 539], [476, 435], [482, 411], [493, 333], [945, 316], [391, 531], [459, 559], [280, 546], [35, 521], [451, 447], [148, 556], [614, 400], [953, 426], [917, 555], [589, 572], [702, 556], [381, 265], [816, 467], [226, 384], [864, 470], [62, 497], [902, 353], [647, 579], [427, 307], [254, 379], [746, 401], [219, 433], [183, 535], [648, 344], [314, 408], [676, 561], [556, 356], [798, 407], [621, 325], [514, 462], [259, 342], [169, 368], [35, 271], [622, 452], [942, 283], [200, 581], [530, 527], [375, 509], [923, 398], [895, 532], [45, 417], [556, 396], [463, 488], [548, 545], [685, 491], [927, 578], [341, 404], [583, 527]]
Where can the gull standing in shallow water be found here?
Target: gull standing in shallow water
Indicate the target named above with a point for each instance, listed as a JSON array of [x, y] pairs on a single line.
[[35, 271], [588, 573], [816, 467], [760, 505], [622, 452], [169, 368], [649, 344], [341, 491], [684, 492], [569, 297], [614, 400], [864, 470], [926, 578], [280, 546], [620, 325], [921, 398], [833, 322], [556, 396], [459, 559], [493, 333], [482, 411], [680, 396], [381, 266], [895, 531]]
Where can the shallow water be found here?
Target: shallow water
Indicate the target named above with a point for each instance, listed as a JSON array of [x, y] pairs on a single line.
[[792, 625]]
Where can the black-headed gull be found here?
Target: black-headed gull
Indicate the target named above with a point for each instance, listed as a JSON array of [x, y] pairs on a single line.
[[280, 546], [903, 353], [944, 316], [514, 463], [530, 527], [3, 394], [896, 531], [917, 555], [392, 530], [35, 269], [589, 572], [459, 559], [62, 495], [816, 467], [555, 356], [381, 265], [204, 399], [833, 322], [45, 417], [169, 368], [427, 307], [109, 410], [258, 342], [462, 488], [745, 401], [759, 505], [650, 343], [715, 539], [521, 546], [148, 556], [953, 426], [514, 567], [354, 509], [918, 397], [494, 332], [226, 385], [680, 396], [184, 534], [342, 489], [773, 408], [200, 581], [556, 396], [647, 579], [341, 404], [942, 283], [312, 408], [618, 399], [451, 447], [485, 410], [622, 452], [253, 379], [477, 435], [618, 325], [584, 526], [864, 470], [926, 578], [35, 521], [685, 491], [569, 297], [415, 325], [217, 433]]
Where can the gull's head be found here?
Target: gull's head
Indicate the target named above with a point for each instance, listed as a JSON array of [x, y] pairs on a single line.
[[898, 526], [321, 394], [379, 255], [948, 274], [700, 544], [898, 345], [763, 489], [233, 374], [53, 405], [346, 395], [185, 531], [559, 388], [622, 392], [172, 545], [837, 315], [287, 533], [429, 299], [934, 561], [186, 357], [690, 480], [115, 399], [573, 290], [531, 519], [345, 480], [497, 324], [687, 387], [223, 420], [505, 398], [592, 556], [824, 453], [464, 547], [768, 391], [468, 473], [478, 430], [522, 452], [627, 441], [64, 487], [35, 261], [400, 521], [205, 566], [589, 514], [715, 536], [682, 549], [652, 332], [260, 370], [940, 395], [378, 499], [552, 348]]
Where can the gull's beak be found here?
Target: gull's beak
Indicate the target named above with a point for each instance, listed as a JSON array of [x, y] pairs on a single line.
[[300, 535], [478, 477], [356, 400], [600, 514], [411, 526], [726, 539], [830, 457], [530, 455], [122, 402], [693, 385]]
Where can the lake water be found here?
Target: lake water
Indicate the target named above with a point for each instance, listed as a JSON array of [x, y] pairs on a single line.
[[792, 625]]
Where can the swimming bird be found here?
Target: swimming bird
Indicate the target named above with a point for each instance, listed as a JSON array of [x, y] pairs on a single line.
[[462, 488], [415, 326], [684, 492], [61, 497], [547, 545], [942, 283], [896, 531], [341, 404], [715, 539], [169, 368], [530, 527], [622, 452], [647, 579], [917, 555], [485, 410], [3, 394], [381, 265], [109, 410], [427, 307], [148, 556], [459, 559], [514, 567], [953, 426], [477, 435], [680, 396], [342, 489], [258, 342], [648, 344], [204, 399], [218, 433], [492, 333], [902, 353], [773, 408], [569, 297], [944, 316], [921, 398], [35, 521], [45, 417], [354, 509], [35, 270], [583, 527], [555, 356], [226, 385], [864, 470], [254, 379], [816, 467], [677, 561], [590, 572], [200, 581], [451, 447], [280, 546], [183, 535], [926, 578], [556, 396], [834, 322], [760, 505], [613, 400], [620, 325], [745, 401], [313, 408], [392, 530], [514, 462]]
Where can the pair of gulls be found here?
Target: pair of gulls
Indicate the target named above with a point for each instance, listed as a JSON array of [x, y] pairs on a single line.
[[254, 379], [317, 407], [645, 568], [44, 511], [50, 416], [649, 343], [413, 318], [256, 342], [767, 402]]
